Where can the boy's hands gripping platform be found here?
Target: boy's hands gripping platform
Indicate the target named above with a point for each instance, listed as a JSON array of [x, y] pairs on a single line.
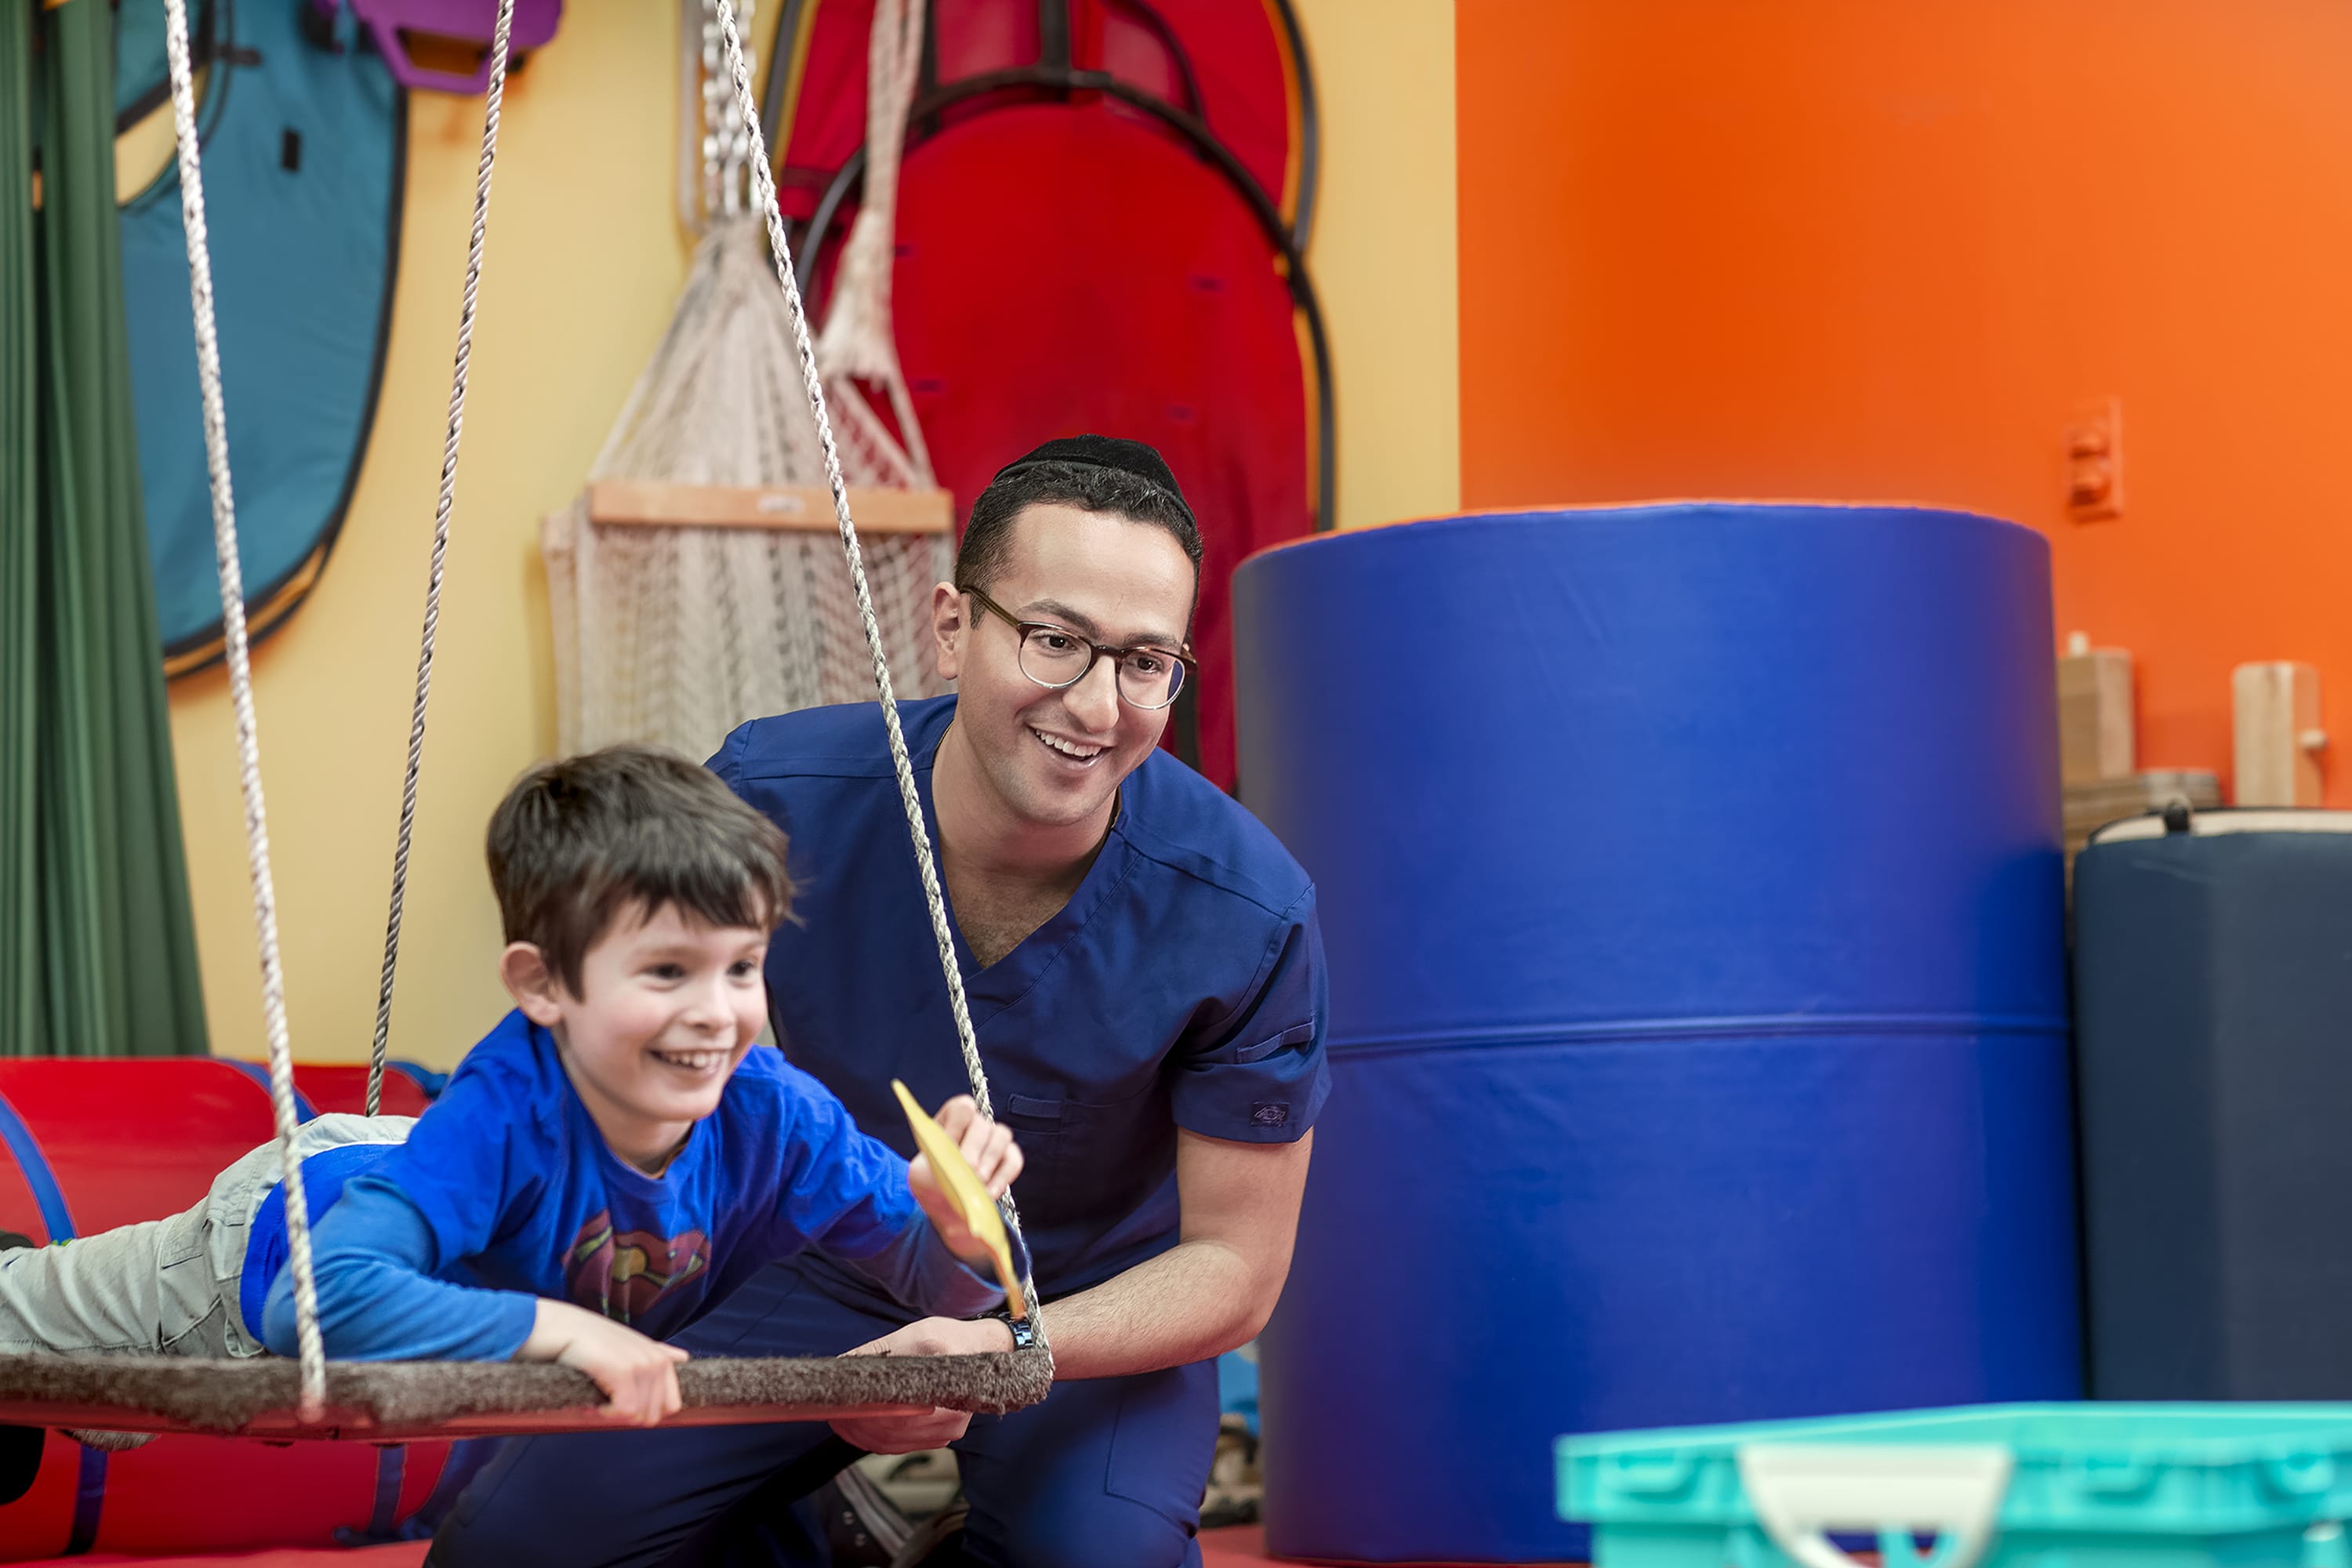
[[638, 1376]]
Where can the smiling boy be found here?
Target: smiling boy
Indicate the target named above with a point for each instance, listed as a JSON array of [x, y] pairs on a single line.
[[610, 1159]]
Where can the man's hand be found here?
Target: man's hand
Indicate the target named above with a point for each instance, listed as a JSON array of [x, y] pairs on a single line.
[[638, 1376], [937, 1428], [1212, 1290], [994, 1157]]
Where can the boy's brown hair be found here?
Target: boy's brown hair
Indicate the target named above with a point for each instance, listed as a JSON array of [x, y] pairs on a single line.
[[581, 841]]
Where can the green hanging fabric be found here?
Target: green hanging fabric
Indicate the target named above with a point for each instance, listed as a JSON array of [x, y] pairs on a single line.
[[20, 434], [97, 943]]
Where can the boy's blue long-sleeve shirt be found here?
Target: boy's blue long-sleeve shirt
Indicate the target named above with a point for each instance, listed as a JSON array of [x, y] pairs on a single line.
[[505, 1191]]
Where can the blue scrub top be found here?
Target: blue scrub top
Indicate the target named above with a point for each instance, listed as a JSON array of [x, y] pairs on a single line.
[[1183, 985]]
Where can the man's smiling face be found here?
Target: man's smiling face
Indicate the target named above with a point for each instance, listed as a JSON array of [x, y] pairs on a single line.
[[1054, 758]]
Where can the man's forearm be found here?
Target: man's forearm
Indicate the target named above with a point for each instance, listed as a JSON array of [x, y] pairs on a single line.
[[1193, 1302]]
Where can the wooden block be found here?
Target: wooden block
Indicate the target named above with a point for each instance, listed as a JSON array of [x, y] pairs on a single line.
[[2275, 706], [2096, 739], [648, 504]]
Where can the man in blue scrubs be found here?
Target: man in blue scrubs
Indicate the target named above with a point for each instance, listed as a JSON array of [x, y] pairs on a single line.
[[1145, 973]]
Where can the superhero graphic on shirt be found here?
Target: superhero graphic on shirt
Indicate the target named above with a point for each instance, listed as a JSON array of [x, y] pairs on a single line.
[[625, 1274]]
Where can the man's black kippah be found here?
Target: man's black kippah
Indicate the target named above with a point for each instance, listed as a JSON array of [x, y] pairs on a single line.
[[1105, 452]]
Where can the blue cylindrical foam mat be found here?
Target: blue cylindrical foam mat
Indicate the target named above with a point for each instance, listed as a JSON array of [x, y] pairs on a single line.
[[1691, 881]]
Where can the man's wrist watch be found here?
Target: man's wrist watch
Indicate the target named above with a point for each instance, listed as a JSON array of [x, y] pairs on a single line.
[[1023, 1334]]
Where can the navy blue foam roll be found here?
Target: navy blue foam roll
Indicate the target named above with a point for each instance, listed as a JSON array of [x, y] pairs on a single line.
[[2212, 990], [1691, 882]]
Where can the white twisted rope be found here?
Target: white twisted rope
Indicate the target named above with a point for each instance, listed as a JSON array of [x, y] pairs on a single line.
[[440, 554], [313, 1353], [724, 188], [856, 339], [764, 194]]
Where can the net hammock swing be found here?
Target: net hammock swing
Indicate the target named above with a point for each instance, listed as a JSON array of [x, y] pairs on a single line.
[[310, 1397], [690, 584]]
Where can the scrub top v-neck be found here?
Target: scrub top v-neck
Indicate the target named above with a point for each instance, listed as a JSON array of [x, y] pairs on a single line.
[[998, 985], [1181, 985]]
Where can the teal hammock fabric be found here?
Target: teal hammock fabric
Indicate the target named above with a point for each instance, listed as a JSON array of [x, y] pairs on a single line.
[[98, 951]]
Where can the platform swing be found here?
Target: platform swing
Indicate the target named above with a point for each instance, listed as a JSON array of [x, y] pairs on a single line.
[[310, 1397]]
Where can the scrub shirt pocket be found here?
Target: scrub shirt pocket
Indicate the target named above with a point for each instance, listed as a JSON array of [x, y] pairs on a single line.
[[1087, 1160], [1037, 1123]]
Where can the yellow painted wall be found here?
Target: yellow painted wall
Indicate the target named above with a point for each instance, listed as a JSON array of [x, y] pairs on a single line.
[[584, 260], [584, 257], [1383, 254]]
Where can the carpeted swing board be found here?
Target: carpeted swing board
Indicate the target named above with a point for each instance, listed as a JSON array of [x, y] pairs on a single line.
[[393, 1401]]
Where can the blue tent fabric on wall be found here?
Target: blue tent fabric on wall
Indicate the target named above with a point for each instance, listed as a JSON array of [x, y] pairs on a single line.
[[304, 144]]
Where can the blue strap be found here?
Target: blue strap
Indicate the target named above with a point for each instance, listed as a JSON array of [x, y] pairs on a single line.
[[391, 1464], [431, 1082], [466, 1459], [260, 1075], [89, 1490], [55, 1216], [90, 1501]]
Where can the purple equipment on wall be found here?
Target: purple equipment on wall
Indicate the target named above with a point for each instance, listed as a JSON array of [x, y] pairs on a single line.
[[394, 25]]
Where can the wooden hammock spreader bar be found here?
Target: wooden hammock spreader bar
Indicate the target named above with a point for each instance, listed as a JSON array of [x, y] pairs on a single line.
[[381, 1402], [654, 504]]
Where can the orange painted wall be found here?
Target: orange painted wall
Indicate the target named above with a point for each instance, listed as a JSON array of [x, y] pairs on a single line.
[[1859, 249]]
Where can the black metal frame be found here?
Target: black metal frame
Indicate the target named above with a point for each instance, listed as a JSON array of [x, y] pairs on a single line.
[[1270, 220]]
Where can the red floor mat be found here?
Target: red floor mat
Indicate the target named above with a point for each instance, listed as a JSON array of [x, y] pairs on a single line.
[[406, 1555]]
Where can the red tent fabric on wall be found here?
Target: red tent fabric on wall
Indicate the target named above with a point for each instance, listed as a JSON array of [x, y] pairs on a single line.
[[1068, 260]]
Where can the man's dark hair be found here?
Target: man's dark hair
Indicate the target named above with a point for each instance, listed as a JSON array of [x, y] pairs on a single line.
[[579, 841], [1093, 473]]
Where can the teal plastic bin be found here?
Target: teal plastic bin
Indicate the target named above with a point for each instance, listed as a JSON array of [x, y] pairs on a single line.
[[1998, 1486]]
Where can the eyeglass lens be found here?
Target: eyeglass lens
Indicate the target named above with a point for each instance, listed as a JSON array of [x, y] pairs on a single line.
[[1145, 679]]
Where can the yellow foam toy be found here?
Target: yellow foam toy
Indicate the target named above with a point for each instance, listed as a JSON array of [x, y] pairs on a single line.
[[966, 1193]]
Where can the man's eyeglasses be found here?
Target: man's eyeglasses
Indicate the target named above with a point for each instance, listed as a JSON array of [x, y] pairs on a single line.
[[1055, 657]]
